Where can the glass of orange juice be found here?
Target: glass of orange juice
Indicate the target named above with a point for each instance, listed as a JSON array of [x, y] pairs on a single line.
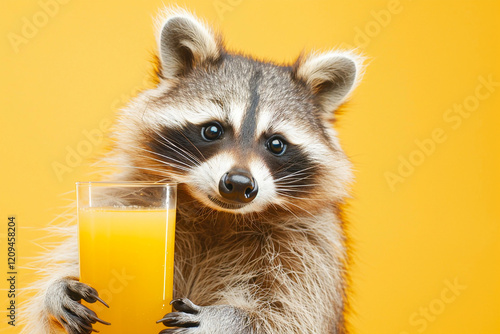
[[126, 236]]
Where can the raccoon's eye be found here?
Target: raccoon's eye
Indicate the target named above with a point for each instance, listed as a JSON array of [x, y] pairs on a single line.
[[212, 131], [276, 145]]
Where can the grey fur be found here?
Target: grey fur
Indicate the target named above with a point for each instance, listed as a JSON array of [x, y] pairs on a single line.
[[277, 264]]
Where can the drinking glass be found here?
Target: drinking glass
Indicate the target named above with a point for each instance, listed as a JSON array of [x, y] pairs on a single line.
[[126, 236]]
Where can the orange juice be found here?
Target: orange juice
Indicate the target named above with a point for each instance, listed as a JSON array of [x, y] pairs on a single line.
[[127, 255]]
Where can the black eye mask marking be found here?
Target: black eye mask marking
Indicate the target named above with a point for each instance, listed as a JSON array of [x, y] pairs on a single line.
[[187, 146], [294, 173]]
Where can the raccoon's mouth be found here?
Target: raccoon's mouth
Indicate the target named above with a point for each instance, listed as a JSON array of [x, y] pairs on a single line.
[[225, 205]]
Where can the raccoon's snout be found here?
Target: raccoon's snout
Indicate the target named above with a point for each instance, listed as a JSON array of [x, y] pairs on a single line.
[[238, 185]]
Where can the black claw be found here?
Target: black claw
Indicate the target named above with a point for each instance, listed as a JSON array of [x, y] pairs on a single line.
[[185, 305], [83, 325], [93, 296], [166, 319], [102, 321], [92, 317], [174, 331], [102, 301], [87, 327], [80, 290], [174, 319]]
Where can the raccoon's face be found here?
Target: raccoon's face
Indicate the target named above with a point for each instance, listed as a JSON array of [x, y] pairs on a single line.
[[242, 135]]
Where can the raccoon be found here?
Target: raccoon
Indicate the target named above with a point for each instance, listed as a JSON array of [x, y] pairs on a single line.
[[260, 243]]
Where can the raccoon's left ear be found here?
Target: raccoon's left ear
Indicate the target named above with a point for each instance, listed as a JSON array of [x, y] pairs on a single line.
[[332, 76], [184, 42]]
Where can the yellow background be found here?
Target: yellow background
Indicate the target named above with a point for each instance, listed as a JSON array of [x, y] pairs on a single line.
[[437, 225]]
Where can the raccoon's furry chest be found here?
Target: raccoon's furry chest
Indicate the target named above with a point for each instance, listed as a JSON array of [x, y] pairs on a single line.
[[255, 258]]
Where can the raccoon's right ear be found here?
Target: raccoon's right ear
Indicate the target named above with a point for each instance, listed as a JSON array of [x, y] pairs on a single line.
[[184, 42], [331, 76]]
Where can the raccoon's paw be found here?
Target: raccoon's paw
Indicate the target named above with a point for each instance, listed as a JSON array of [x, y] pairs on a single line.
[[63, 303], [187, 317], [192, 318]]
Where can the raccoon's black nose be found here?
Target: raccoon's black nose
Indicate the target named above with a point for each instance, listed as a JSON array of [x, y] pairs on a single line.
[[238, 185]]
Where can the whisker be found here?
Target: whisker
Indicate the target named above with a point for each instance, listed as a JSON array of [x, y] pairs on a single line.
[[157, 172], [296, 180], [182, 133], [288, 185], [186, 168], [293, 190], [189, 157], [187, 153], [301, 208], [302, 171], [288, 166], [300, 198], [289, 210], [168, 157]]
